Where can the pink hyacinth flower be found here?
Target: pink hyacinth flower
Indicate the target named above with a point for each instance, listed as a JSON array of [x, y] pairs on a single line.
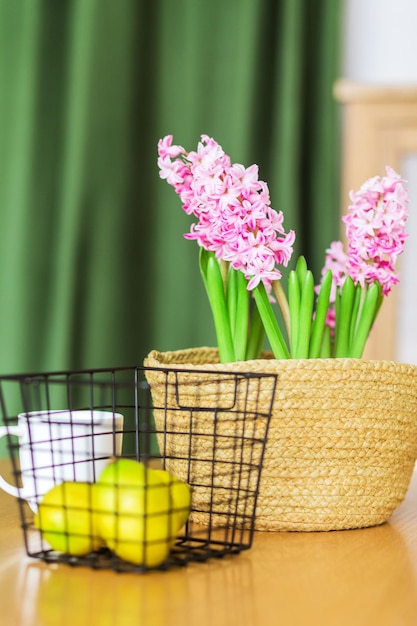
[[375, 230], [232, 207]]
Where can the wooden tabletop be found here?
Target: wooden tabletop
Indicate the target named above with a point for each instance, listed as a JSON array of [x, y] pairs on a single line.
[[355, 578]]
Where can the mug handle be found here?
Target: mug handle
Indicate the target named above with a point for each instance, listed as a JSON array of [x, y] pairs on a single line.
[[7, 487]]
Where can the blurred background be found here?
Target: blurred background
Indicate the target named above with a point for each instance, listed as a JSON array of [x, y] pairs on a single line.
[[94, 269]]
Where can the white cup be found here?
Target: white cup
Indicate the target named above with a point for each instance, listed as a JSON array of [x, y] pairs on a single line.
[[58, 446]]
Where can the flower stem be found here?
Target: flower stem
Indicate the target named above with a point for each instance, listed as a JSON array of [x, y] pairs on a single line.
[[256, 335], [357, 307], [241, 321], [231, 297], [282, 303], [213, 281], [326, 344], [369, 311], [306, 316], [320, 317], [224, 269], [344, 318], [294, 304], [270, 323]]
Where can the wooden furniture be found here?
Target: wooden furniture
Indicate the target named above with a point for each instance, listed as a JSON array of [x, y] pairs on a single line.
[[359, 577], [379, 129]]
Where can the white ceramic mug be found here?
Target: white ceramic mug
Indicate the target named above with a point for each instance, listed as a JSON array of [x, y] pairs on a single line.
[[57, 446]]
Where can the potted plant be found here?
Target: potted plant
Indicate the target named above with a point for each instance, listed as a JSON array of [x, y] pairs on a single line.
[[343, 436]]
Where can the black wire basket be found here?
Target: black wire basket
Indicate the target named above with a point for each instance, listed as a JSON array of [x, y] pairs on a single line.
[[115, 472]]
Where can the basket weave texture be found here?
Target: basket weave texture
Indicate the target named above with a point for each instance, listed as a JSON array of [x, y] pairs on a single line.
[[342, 440]]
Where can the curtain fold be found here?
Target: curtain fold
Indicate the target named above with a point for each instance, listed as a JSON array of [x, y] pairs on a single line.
[[94, 270]]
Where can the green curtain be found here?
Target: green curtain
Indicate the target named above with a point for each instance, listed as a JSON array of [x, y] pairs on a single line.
[[94, 270]]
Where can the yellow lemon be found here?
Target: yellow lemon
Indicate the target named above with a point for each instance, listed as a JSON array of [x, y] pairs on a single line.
[[65, 519], [180, 494], [134, 512]]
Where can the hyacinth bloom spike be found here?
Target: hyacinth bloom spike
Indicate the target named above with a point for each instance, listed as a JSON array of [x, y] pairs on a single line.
[[236, 223], [235, 219], [375, 234]]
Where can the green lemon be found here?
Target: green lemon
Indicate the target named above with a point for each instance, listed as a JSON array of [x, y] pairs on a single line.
[[133, 508], [65, 519]]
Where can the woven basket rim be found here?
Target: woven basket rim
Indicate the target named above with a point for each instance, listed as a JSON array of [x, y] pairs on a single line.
[[184, 358]]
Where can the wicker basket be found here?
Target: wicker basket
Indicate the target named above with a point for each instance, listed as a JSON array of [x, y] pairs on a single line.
[[342, 441]]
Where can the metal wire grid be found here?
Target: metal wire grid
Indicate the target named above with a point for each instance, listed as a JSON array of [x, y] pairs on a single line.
[[221, 522]]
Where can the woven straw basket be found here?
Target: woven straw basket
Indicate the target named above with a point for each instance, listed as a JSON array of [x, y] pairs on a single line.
[[342, 440]]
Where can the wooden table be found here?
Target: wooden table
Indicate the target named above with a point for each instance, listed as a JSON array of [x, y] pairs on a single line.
[[355, 578]]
